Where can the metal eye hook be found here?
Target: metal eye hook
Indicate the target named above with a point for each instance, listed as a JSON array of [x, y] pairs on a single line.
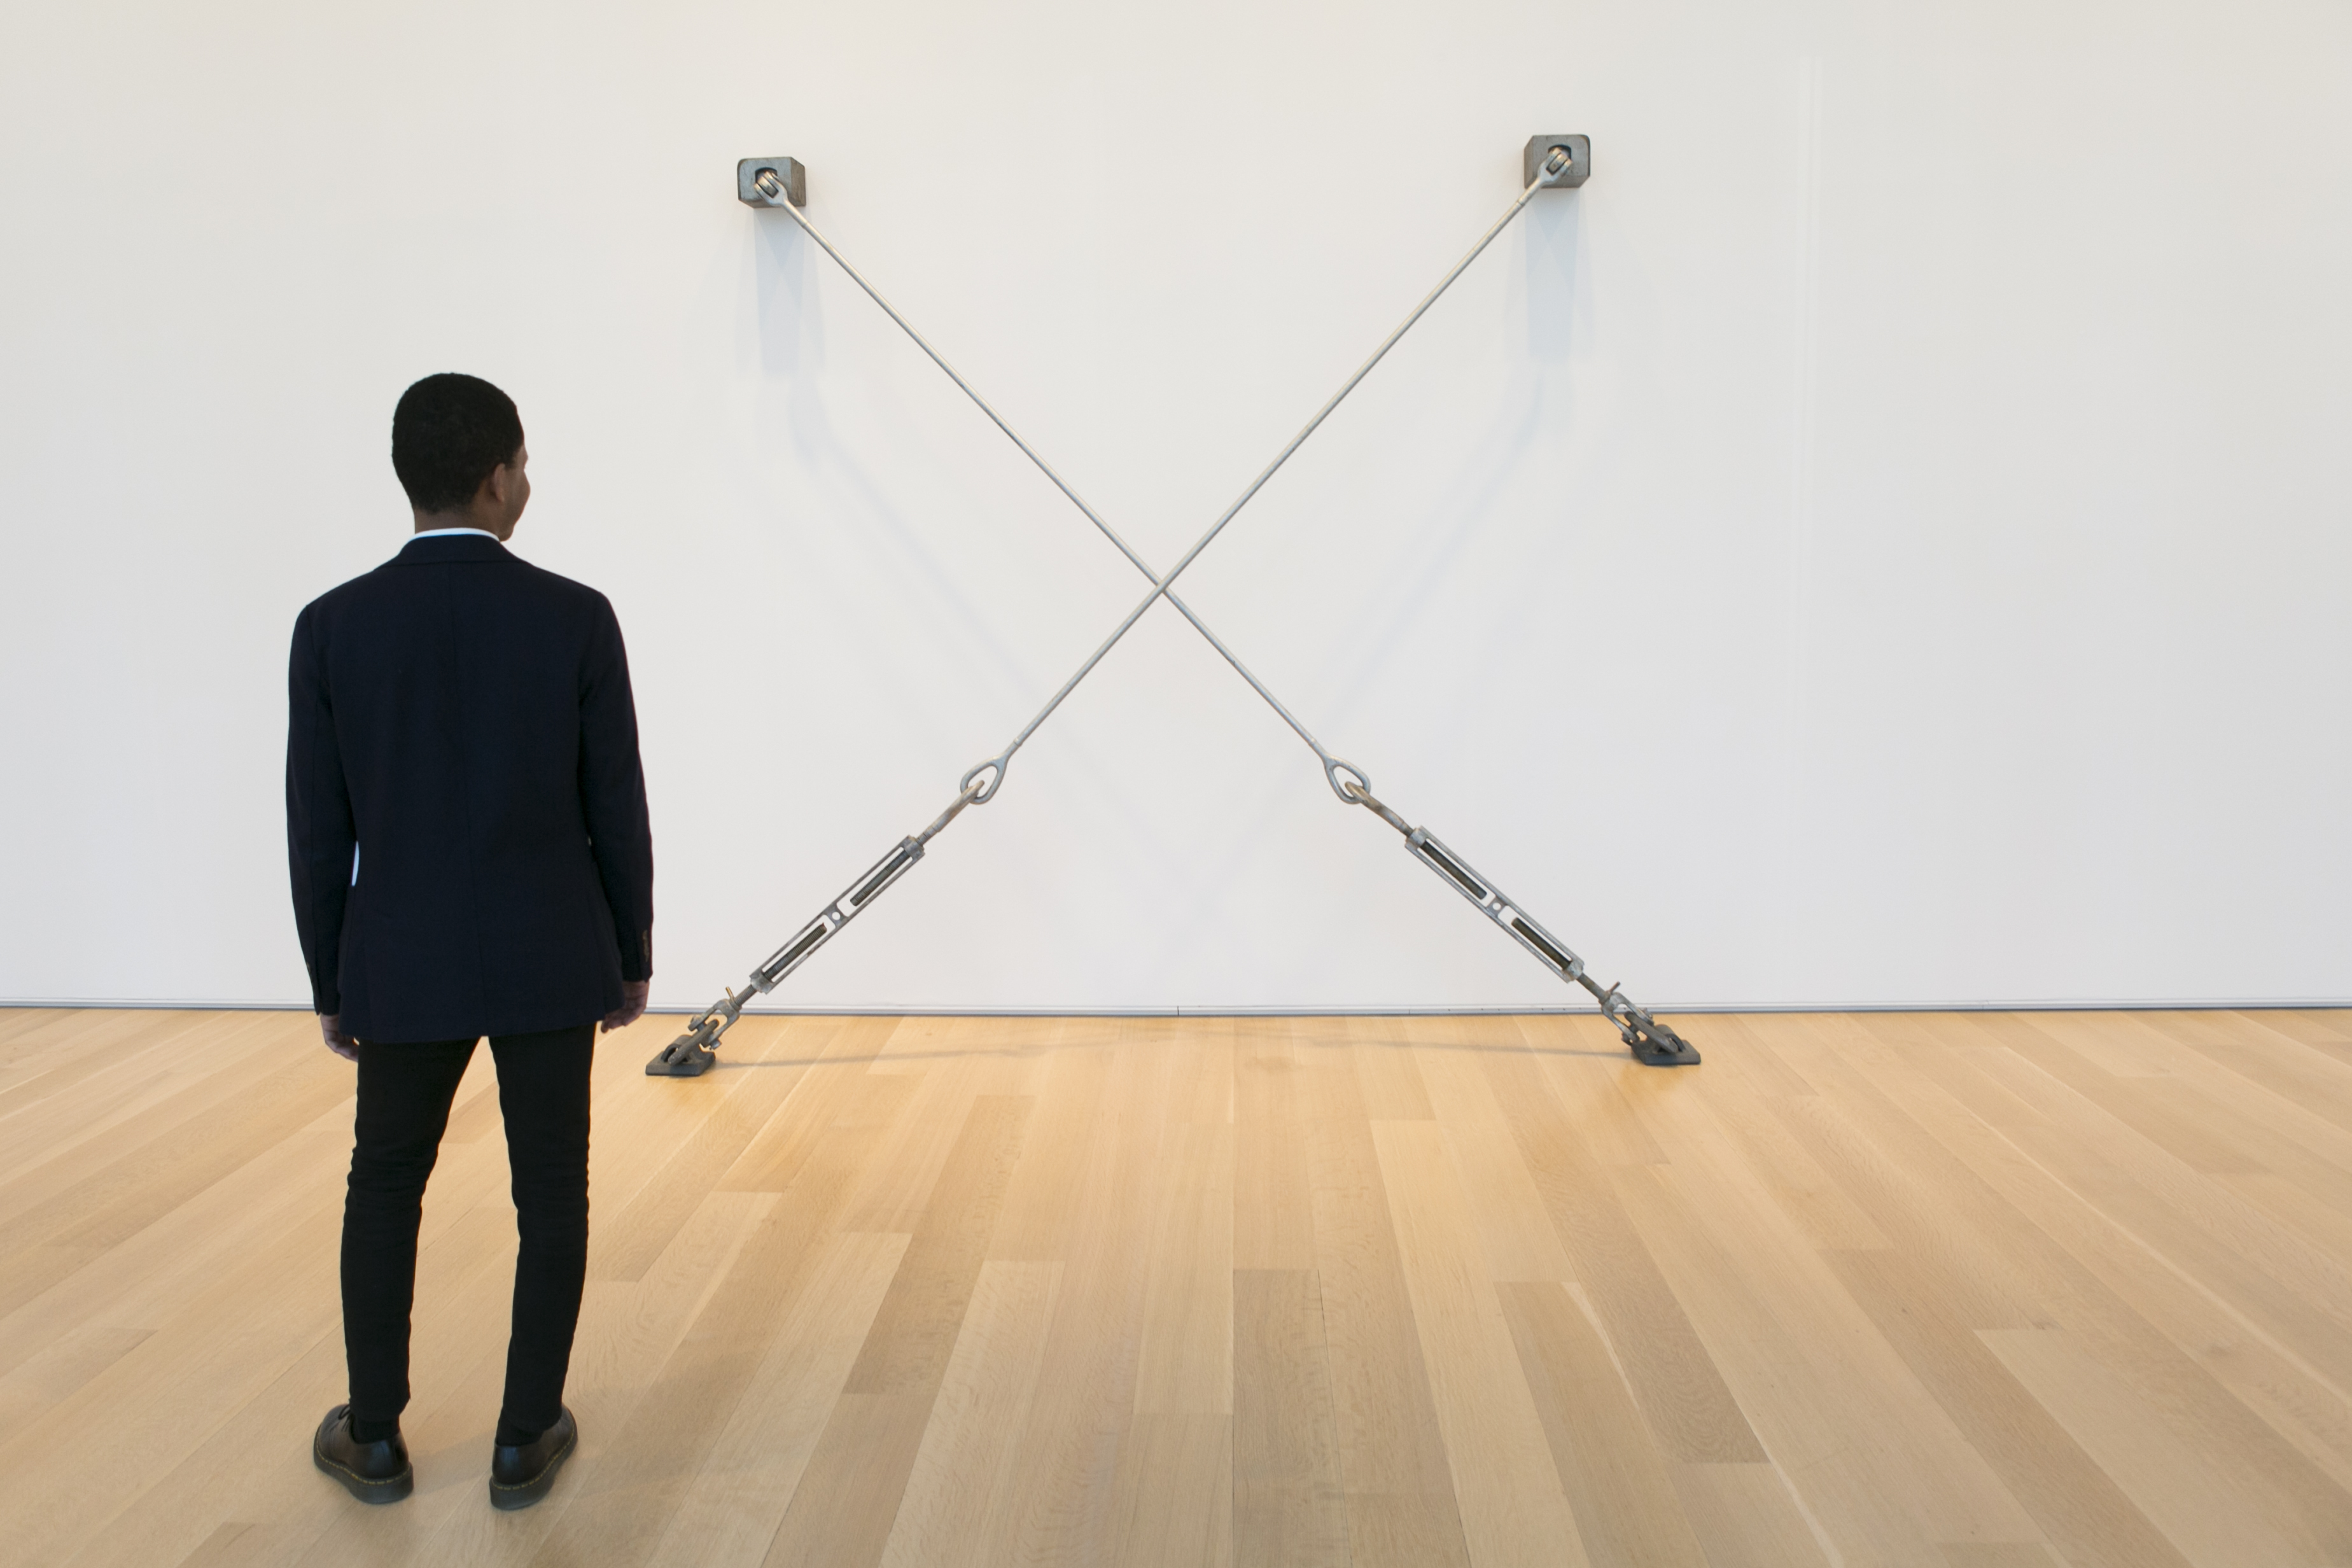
[[1555, 164], [985, 796], [767, 186], [1355, 788]]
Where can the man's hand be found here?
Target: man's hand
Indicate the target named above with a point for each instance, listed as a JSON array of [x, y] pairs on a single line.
[[330, 1026], [632, 1004]]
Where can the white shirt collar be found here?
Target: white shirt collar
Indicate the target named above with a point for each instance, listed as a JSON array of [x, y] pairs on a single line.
[[453, 532]]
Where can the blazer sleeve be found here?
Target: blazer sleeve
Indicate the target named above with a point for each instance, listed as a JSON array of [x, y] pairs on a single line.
[[319, 834], [612, 794]]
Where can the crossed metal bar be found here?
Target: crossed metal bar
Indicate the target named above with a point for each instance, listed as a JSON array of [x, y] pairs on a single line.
[[1549, 163]]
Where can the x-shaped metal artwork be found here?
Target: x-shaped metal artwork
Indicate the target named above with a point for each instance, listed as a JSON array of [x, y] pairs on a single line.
[[1549, 163]]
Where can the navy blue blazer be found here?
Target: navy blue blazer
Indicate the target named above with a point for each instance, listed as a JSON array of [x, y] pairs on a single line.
[[465, 807]]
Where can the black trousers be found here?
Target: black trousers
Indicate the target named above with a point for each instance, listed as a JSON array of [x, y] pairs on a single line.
[[405, 1092]]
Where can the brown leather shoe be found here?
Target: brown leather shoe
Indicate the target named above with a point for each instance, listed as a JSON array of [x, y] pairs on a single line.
[[521, 1477], [375, 1472]]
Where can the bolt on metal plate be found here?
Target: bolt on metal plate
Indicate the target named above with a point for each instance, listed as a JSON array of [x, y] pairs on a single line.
[[1579, 162], [788, 172]]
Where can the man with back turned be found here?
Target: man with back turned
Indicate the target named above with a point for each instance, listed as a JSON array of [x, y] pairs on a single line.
[[471, 856]]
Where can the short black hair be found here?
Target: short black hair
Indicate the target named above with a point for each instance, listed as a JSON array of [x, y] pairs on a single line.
[[448, 432]]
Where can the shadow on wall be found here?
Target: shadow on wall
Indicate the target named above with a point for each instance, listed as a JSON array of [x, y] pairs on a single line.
[[1538, 408], [791, 337], [789, 329], [1477, 487], [1555, 243]]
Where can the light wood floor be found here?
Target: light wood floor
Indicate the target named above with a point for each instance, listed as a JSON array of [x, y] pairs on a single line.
[[1973, 1290]]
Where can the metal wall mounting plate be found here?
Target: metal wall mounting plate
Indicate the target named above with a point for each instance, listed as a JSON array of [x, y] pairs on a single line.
[[1579, 162], [788, 170]]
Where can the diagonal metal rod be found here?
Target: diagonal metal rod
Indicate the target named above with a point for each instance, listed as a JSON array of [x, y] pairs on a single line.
[[771, 188], [1075, 499], [1159, 585]]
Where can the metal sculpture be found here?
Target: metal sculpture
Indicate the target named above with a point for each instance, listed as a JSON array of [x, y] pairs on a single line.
[[1549, 163]]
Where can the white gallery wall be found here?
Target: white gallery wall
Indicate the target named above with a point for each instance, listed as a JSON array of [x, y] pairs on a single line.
[[1887, 539]]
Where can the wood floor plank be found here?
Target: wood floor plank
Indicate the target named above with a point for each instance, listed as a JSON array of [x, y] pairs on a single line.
[[79, 1062], [148, 1273], [2276, 1414], [1185, 1365], [1200, 1077], [916, 1329], [1289, 1501], [907, 1167], [132, 1193], [1619, 1486], [627, 1330], [1970, 1289], [2280, 1282], [657, 1128], [152, 1091], [1872, 1454], [1676, 1381], [963, 1470], [857, 1478], [17, 1022], [238, 1336], [2307, 1074], [1748, 1516], [837, 1087], [1066, 1454], [1046, 1194], [1508, 1212], [45, 1064], [1512, 1506], [2190, 1133], [2114, 1044], [1173, 1492], [1387, 1073], [1829, 1216], [1401, 1506], [2273, 1132], [1959, 1262], [2087, 1517], [737, 1498], [2311, 1025], [621, 1508], [2315, 1203], [631, 1239], [145, 1279], [2296, 1165], [1274, 1203], [1583, 1068], [2157, 1466], [463, 1270], [213, 1493]]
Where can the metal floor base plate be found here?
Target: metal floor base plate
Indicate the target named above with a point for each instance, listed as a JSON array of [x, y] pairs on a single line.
[[1651, 1054], [682, 1059]]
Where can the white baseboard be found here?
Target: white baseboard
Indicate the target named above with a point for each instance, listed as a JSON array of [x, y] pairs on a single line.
[[2030, 1004]]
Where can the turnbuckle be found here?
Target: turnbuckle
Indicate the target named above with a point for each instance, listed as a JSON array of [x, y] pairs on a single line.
[[1651, 1043], [1456, 873], [692, 1053]]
